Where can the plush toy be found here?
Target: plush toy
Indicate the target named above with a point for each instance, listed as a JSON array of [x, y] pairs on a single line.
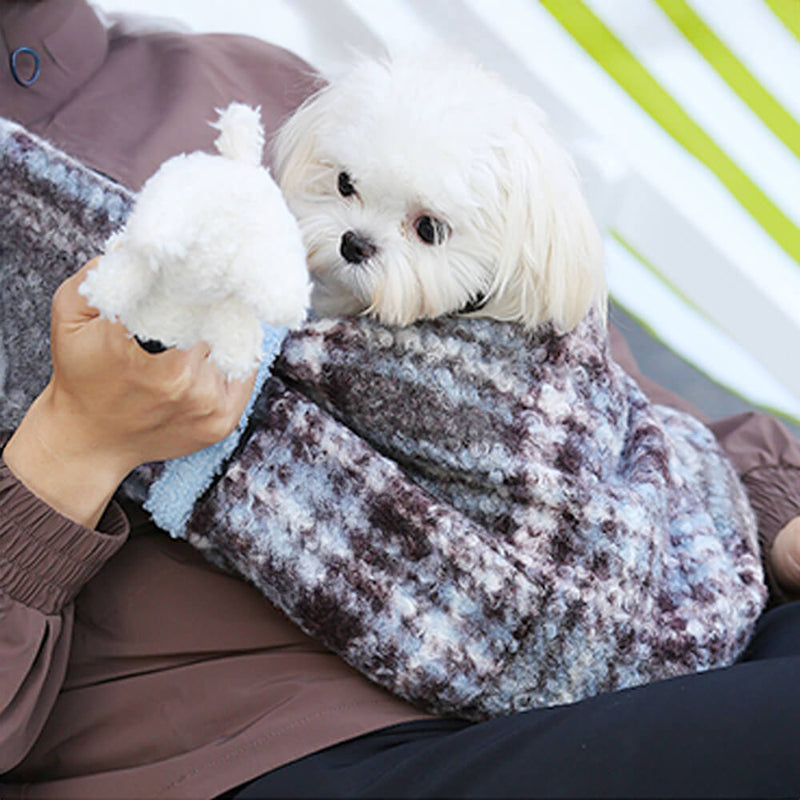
[[209, 253]]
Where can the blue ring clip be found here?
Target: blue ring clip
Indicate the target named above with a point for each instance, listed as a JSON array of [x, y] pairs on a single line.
[[36, 69]]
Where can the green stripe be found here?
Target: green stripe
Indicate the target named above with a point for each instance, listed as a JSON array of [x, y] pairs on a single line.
[[661, 278], [646, 326], [694, 307], [733, 72], [610, 53], [788, 12]]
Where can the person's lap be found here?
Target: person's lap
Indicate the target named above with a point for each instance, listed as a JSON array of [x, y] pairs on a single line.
[[729, 732]]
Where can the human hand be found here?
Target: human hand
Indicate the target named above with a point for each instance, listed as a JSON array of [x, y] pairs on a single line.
[[110, 406], [785, 557]]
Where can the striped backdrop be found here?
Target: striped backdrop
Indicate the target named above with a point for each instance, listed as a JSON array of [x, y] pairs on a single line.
[[684, 116]]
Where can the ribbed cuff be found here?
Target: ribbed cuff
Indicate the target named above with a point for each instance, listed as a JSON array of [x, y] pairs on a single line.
[[46, 558]]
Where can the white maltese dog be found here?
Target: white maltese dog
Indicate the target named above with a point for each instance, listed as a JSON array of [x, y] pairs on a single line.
[[424, 186]]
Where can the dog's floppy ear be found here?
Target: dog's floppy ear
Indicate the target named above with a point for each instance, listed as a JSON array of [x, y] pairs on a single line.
[[550, 253], [294, 146]]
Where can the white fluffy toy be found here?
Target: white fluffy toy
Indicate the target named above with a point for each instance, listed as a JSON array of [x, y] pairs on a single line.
[[209, 253]]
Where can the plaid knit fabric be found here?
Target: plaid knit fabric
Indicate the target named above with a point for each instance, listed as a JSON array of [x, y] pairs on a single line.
[[479, 518]]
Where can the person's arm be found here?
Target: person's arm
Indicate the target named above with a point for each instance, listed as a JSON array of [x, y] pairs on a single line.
[[45, 558], [109, 407], [767, 457]]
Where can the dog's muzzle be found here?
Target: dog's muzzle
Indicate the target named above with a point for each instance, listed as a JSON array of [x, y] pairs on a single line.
[[356, 249]]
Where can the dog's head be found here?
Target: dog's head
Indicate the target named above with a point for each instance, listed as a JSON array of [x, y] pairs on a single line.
[[424, 186]]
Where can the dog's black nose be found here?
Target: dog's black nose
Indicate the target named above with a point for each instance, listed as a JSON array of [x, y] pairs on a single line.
[[355, 248]]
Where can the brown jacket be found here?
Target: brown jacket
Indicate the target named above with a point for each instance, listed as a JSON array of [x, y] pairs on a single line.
[[121, 103], [129, 667]]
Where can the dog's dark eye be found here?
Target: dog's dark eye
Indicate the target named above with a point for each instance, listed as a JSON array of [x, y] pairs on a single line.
[[431, 230], [346, 188]]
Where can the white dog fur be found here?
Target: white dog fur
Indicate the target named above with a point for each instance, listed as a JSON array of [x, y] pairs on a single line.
[[209, 252], [424, 186]]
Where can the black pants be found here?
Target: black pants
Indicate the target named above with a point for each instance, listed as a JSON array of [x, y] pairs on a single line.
[[727, 733]]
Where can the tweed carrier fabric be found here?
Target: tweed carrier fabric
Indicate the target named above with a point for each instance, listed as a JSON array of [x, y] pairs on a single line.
[[479, 518], [54, 216], [486, 520]]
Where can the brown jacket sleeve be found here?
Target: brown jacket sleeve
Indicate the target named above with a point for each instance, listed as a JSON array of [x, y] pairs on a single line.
[[45, 559], [767, 457]]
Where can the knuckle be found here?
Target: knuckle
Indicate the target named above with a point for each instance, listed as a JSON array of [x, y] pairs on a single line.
[[181, 383], [206, 400], [217, 426]]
